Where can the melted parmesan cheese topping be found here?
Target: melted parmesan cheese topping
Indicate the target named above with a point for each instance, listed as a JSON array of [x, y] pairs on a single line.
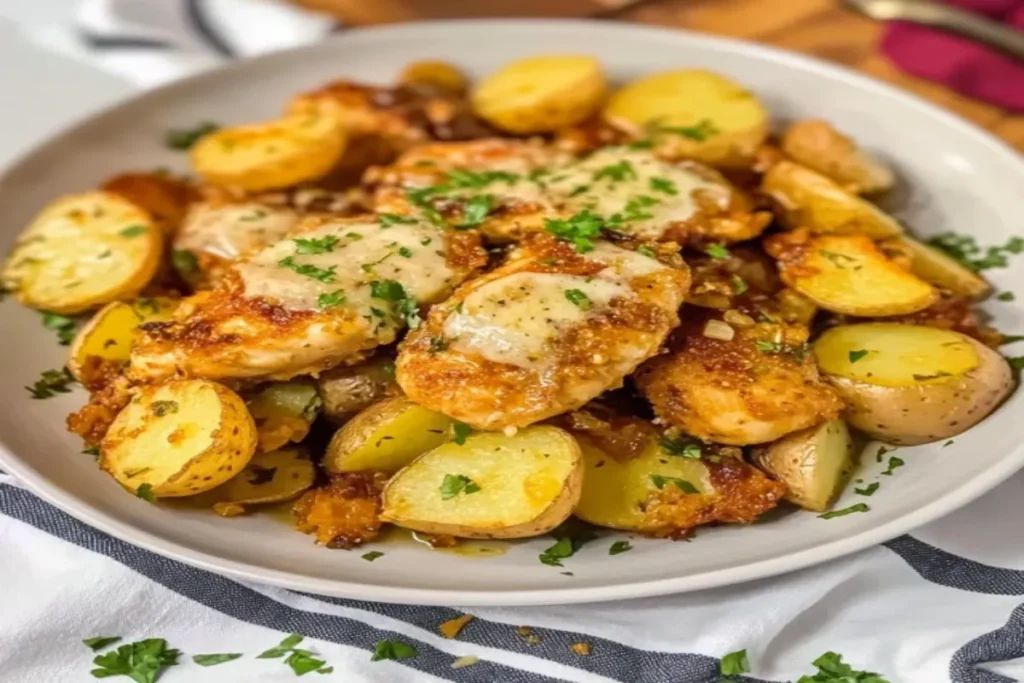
[[234, 229], [515, 319], [353, 256]]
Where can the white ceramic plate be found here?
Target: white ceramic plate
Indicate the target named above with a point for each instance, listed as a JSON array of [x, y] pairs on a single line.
[[956, 178]]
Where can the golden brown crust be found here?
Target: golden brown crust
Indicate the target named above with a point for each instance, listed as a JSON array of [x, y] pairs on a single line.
[[163, 196], [754, 388], [93, 420], [345, 513]]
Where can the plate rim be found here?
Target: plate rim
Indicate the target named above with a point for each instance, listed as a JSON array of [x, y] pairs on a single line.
[[952, 500]]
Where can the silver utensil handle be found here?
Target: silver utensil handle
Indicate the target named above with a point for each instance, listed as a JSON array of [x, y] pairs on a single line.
[[976, 27]]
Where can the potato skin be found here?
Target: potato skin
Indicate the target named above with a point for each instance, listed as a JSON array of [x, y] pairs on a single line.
[[154, 439], [349, 389], [932, 409], [819, 146], [540, 94], [556, 510], [813, 463], [268, 478]]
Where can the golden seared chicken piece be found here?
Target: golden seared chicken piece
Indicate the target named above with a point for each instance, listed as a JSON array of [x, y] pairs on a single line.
[[738, 383], [326, 295], [511, 188], [541, 335]]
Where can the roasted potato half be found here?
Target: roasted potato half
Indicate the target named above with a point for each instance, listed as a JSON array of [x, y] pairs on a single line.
[[283, 413], [110, 333], [350, 389], [848, 274], [179, 439], [662, 493], [814, 464], [692, 114], [83, 251], [822, 148], [386, 436], [932, 265], [303, 145], [909, 384], [268, 478], [442, 75], [491, 486], [811, 200], [540, 94]]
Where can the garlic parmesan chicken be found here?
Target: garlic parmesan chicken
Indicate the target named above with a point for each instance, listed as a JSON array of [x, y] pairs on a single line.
[[543, 334], [737, 385], [327, 295], [511, 189]]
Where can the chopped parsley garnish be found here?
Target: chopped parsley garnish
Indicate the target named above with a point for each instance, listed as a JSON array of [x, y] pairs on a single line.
[[832, 669], [581, 229], [615, 172], [1005, 296], [100, 642], [832, 514], [215, 659], [142, 661], [256, 215], [700, 131], [161, 408], [641, 144], [948, 443], [660, 482], [619, 547], [460, 430], [406, 305], [646, 251], [283, 648], [258, 476], [461, 178], [329, 299], [454, 484], [578, 298], [354, 236], [855, 356], [393, 649], [768, 346], [184, 261], [145, 492], [133, 231], [476, 210], [894, 463], [421, 199], [318, 245], [437, 344], [734, 663], [716, 251], [389, 219], [303, 661], [840, 261], [634, 210], [91, 450], [664, 185], [578, 190], [405, 252], [965, 250], [184, 139], [566, 546], [1016, 362], [739, 285], [309, 270], [867, 490], [51, 383], [680, 447], [372, 555], [426, 240], [61, 324]]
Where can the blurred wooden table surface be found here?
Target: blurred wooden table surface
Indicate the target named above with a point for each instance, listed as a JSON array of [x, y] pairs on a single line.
[[825, 29]]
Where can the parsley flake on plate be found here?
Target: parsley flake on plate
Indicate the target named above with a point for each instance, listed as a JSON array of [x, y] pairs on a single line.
[[100, 642], [855, 356], [476, 210], [133, 231], [61, 324], [734, 663], [215, 659], [578, 298], [51, 383], [309, 270], [142, 661], [581, 229], [184, 139], [832, 514], [318, 245], [461, 430], [661, 481], [454, 484], [372, 555], [619, 547], [393, 649], [867, 490]]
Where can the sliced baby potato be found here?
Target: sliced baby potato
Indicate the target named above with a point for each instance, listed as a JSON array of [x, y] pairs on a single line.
[[386, 436], [442, 75], [820, 147], [933, 266], [303, 145], [813, 464], [110, 333], [811, 200], [540, 94], [663, 490], [491, 486], [848, 274], [284, 412], [179, 439], [349, 389], [83, 251], [910, 384], [694, 114], [270, 477]]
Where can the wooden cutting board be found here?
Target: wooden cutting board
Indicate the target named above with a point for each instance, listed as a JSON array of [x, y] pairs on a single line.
[[817, 27]]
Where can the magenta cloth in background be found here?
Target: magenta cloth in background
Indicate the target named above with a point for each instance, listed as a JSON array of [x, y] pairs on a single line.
[[968, 67]]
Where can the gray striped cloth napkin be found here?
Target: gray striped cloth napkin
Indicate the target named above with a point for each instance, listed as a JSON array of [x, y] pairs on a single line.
[[942, 605]]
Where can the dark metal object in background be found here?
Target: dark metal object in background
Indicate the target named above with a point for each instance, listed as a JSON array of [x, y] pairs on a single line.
[[948, 18]]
